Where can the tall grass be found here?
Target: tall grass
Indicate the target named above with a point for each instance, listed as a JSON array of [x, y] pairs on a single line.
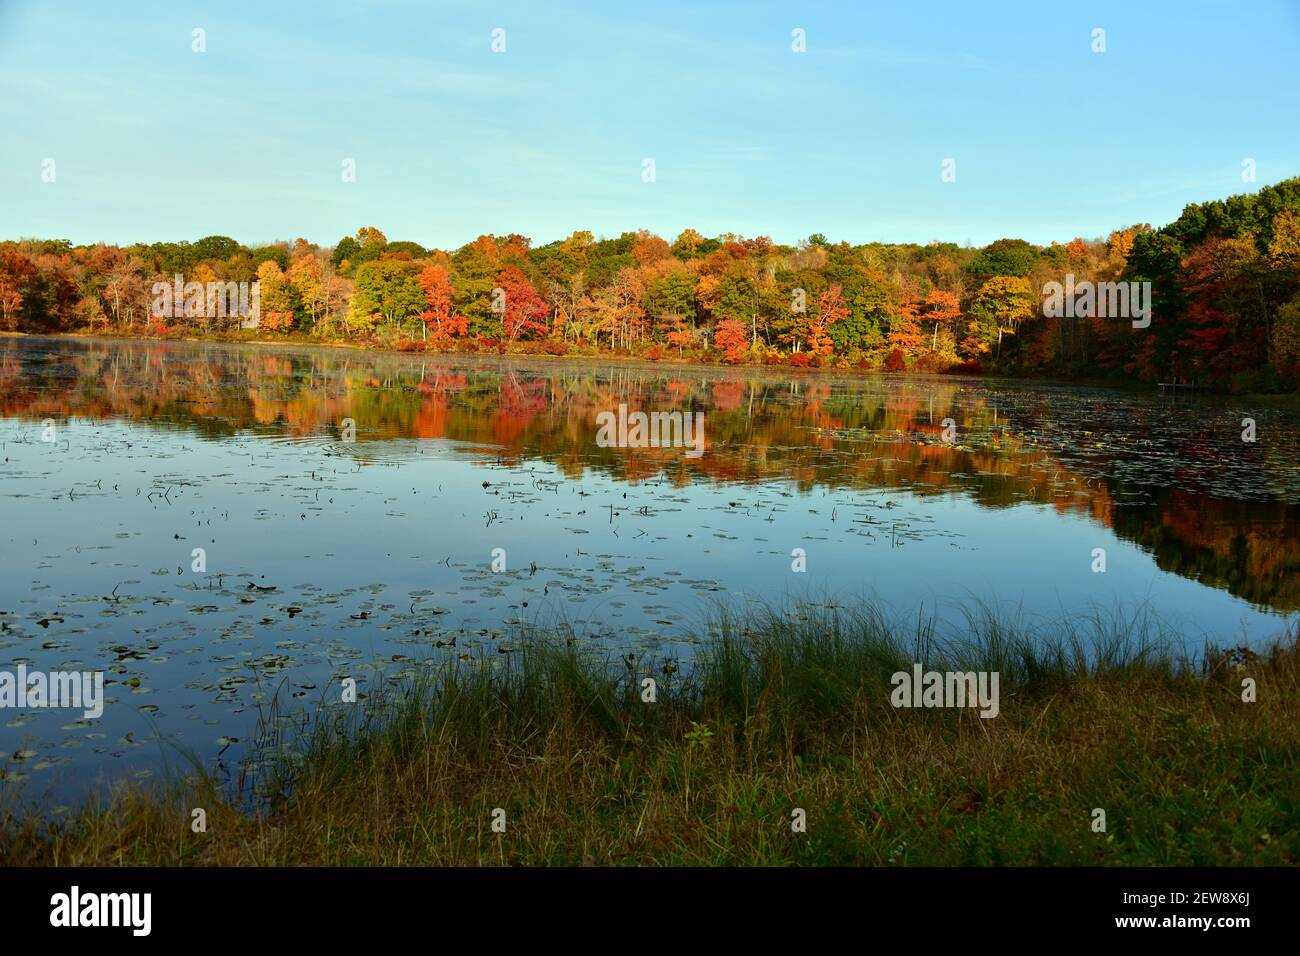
[[780, 709]]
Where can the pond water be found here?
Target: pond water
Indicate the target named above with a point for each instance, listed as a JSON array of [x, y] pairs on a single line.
[[327, 554]]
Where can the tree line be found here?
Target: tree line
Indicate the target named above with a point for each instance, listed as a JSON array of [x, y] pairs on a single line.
[[1224, 280]]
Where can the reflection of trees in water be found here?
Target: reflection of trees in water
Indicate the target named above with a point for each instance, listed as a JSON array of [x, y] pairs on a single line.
[[1250, 548], [833, 433]]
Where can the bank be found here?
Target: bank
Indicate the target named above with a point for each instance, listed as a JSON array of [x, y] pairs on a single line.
[[778, 745]]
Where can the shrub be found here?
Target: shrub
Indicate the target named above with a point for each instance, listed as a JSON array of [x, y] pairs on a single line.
[[277, 321], [930, 362]]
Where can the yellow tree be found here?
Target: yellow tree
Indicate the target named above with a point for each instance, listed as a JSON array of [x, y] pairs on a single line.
[[1284, 248], [306, 278], [1284, 256], [1000, 306], [687, 245], [275, 296], [369, 238]]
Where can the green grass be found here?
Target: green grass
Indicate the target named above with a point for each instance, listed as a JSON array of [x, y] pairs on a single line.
[[780, 710]]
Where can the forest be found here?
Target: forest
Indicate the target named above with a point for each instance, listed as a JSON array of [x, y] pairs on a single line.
[[1224, 286]]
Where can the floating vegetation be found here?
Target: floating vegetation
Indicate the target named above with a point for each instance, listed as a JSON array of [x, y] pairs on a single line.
[[328, 559]]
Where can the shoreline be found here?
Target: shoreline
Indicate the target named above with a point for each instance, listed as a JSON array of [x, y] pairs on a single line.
[[783, 744], [641, 362]]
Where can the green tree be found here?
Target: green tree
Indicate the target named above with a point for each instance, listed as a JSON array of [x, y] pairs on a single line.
[[387, 289], [1006, 257]]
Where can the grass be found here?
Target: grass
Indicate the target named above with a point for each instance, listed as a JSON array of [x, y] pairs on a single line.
[[780, 710]]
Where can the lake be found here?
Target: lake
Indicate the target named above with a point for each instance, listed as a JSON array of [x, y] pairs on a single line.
[[216, 527]]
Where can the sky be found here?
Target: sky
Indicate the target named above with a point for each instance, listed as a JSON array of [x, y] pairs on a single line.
[[153, 141]]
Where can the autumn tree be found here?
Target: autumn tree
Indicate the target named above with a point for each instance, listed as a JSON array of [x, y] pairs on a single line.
[[1000, 306], [1284, 258], [277, 298], [905, 326], [1077, 254], [575, 310], [440, 316], [730, 337], [305, 276], [941, 308], [831, 309], [647, 248], [688, 244], [125, 291], [17, 273], [522, 310]]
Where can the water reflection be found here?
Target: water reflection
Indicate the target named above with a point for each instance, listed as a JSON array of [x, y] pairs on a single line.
[[327, 558], [1171, 475]]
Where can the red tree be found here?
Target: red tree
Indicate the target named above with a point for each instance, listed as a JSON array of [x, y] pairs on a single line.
[[439, 319], [904, 326], [525, 309], [730, 337], [831, 308], [940, 308]]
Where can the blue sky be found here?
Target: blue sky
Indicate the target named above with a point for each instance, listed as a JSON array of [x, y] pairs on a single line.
[[155, 142]]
